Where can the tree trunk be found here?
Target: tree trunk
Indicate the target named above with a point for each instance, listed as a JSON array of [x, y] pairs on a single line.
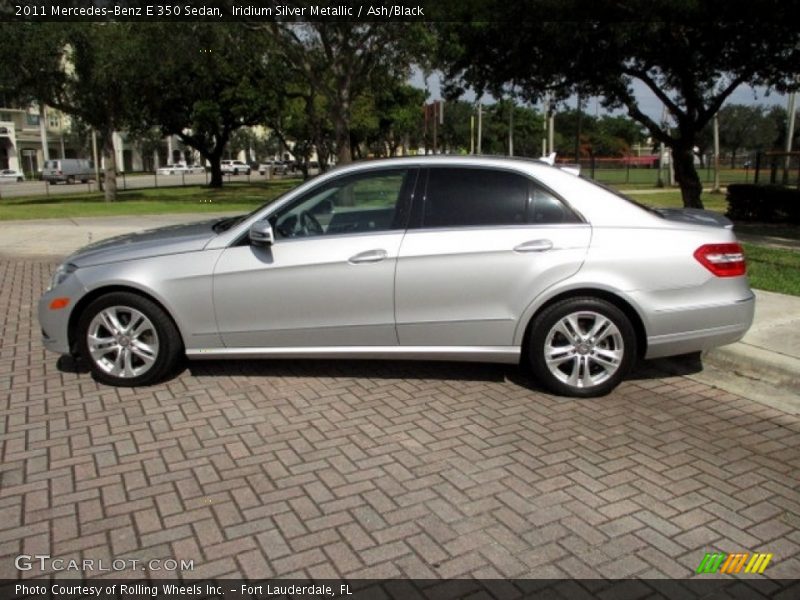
[[216, 170], [733, 158], [343, 153], [110, 170], [686, 176]]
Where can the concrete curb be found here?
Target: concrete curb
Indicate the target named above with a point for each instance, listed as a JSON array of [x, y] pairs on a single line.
[[752, 362]]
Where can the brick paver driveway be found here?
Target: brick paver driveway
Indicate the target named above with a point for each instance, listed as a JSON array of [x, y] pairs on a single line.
[[361, 469]]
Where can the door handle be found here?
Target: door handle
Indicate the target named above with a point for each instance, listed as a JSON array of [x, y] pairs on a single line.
[[369, 256], [534, 246]]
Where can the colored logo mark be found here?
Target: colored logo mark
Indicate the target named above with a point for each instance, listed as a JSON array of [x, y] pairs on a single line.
[[720, 562]]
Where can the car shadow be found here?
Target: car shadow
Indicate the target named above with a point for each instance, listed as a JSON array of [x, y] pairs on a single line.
[[421, 370], [396, 369], [69, 364]]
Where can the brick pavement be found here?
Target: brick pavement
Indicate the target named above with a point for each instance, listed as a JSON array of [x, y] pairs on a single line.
[[380, 469]]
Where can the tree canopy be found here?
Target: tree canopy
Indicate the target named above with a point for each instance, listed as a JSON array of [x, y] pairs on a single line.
[[690, 55]]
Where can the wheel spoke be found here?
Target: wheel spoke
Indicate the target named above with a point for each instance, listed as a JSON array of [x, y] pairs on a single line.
[[143, 351], [557, 355], [118, 366], [128, 370], [599, 328], [609, 359], [111, 322], [138, 325], [586, 379]]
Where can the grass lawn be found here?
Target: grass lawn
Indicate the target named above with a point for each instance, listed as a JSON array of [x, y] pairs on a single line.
[[190, 199], [773, 269]]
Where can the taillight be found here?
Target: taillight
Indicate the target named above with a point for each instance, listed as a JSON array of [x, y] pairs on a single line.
[[723, 260]]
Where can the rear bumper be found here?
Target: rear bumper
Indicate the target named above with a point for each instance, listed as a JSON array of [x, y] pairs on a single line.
[[710, 326]]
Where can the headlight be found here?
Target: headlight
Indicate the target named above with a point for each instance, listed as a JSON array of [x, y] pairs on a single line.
[[62, 272]]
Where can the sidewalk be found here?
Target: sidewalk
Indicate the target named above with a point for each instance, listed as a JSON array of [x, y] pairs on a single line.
[[769, 353]]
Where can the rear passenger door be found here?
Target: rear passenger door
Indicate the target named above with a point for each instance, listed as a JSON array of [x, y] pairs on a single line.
[[482, 243]]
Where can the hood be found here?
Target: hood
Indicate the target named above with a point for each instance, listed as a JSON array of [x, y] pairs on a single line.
[[173, 239]]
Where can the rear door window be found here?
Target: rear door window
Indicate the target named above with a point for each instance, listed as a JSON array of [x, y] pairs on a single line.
[[459, 197]]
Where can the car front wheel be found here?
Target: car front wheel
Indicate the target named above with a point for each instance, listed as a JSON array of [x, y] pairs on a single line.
[[581, 347], [128, 340]]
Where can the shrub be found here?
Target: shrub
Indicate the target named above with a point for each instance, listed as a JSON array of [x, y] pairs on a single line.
[[763, 203]]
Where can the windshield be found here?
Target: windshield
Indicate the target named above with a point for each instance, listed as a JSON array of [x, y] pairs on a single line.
[[226, 223]]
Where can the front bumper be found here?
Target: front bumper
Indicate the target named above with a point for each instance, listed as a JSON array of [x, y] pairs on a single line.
[[55, 323]]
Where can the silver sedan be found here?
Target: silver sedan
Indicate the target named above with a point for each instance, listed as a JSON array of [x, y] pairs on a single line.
[[447, 258]]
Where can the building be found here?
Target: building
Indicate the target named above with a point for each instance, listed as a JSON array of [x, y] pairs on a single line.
[[21, 134]]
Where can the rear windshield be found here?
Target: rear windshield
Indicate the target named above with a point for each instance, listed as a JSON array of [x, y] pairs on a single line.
[[625, 197], [51, 164]]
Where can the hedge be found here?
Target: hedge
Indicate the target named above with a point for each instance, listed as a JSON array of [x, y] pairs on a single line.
[[763, 203]]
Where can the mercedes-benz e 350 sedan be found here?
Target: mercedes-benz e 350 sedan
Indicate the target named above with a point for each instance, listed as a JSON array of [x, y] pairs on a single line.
[[478, 259]]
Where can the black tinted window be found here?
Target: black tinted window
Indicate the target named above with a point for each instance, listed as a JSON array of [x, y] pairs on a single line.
[[474, 197], [547, 209]]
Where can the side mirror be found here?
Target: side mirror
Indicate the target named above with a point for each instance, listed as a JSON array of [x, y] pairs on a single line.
[[261, 234]]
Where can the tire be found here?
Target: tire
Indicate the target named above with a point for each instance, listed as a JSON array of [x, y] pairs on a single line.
[[581, 366], [128, 358], [20, 180], [236, 171]]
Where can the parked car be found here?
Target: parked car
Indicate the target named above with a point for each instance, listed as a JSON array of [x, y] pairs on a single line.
[[68, 170], [179, 168], [11, 175], [235, 167], [278, 167], [478, 259]]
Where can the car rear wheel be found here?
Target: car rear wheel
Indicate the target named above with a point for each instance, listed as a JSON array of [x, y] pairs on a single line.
[[581, 347], [128, 340]]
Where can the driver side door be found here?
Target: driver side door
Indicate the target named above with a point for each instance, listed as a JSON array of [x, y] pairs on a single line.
[[328, 279]]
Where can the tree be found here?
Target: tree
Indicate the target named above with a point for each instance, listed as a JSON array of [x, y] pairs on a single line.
[[202, 82], [339, 60], [690, 55], [78, 68], [744, 127]]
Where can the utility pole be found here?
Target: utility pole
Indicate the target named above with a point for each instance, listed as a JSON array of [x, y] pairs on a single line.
[[511, 129], [660, 182], [472, 134], [545, 112], [578, 132], [789, 134], [716, 154], [435, 129], [96, 162], [551, 131], [480, 126]]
